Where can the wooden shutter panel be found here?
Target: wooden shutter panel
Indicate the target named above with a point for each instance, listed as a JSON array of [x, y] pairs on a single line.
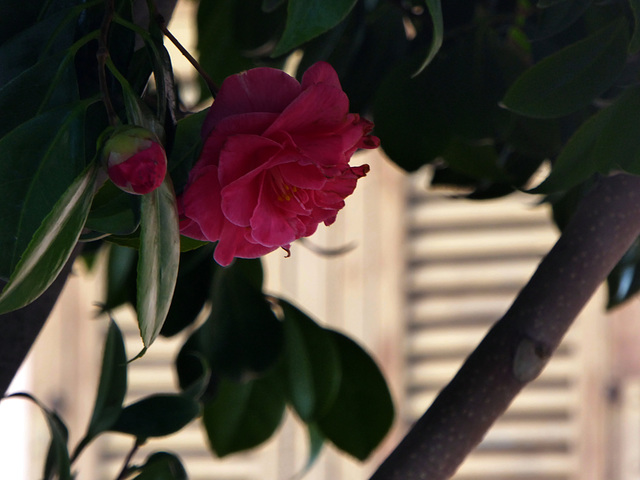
[[466, 262]]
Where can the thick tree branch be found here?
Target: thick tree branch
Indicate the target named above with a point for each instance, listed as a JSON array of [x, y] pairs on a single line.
[[518, 347]]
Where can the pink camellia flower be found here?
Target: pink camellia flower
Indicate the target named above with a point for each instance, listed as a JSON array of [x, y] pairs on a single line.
[[275, 162], [135, 160]]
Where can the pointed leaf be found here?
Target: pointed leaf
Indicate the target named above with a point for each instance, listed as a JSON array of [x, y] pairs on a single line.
[[606, 141], [571, 78], [162, 466], [194, 374], [193, 286], [157, 416], [311, 362], [363, 411], [39, 160], [111, 389], [558, 16], [243, 414], [121, 277], [634, 44], [316, 442], [113, 382], [114, 211], [158, 260], [52, 463], [242, 337], [51, 245], [435, 11], [58, 462], [306, 19], [186, 148], [548, 3], [28, 92]]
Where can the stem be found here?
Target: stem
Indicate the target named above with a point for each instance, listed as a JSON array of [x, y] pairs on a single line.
[[125, 468], [102, 55], [213, 88], [517, 348]]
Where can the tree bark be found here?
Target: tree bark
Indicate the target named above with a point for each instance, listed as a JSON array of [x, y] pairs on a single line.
[[519, 345]]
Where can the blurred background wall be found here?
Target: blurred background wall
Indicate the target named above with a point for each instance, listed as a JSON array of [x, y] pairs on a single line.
[[421, 279]]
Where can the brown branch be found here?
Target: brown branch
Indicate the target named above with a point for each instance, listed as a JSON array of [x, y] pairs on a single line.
[[518, 347]]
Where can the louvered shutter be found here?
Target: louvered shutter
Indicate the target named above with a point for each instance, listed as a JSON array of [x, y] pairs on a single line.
[[466, 262]]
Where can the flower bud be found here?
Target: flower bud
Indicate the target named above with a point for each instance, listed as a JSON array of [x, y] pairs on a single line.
[[135, 160]]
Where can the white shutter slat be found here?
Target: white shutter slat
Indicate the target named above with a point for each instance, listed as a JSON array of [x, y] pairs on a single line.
[[466, 262]]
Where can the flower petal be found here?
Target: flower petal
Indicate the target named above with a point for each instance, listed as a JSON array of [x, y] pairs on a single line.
[[257, 90], [320, 109], [248, 123], [320, 72], [247, 155], [239, 199], [302, 176], [269, 224], [201, 203], [234, 244]]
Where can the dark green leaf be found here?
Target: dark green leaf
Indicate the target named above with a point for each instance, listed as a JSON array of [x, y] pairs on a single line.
[[194, 375], [187, 244], [111, 389], [271, 5], [58, 462], [233, 36], [363, 411], [242, 337], [162, 466], [186, 148], [243, 414], [311, 363], [114, 211], [606, 141], [18, 15], [548, 3], [408, 118], [25, 49], [477, 161], [61, 437], [51, 245], [435, 11], [193, 285], [316, 442], [455, 98], [158, 260], [362, 49], [307, 19], [559, 16], [571, 78], [27, 93], [157, 416], [121, 276], [194, 372], [634, 44], [38, 162]]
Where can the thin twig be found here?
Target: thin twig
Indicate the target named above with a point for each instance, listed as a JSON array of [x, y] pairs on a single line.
[[125, 468], [213, 88]]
